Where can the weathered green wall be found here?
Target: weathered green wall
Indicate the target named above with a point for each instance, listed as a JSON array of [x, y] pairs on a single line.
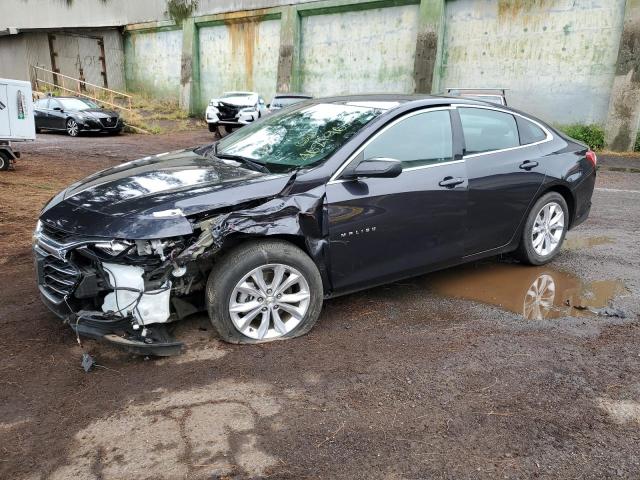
[[152, 62], [358, 52], [239, 55], [557, 57]]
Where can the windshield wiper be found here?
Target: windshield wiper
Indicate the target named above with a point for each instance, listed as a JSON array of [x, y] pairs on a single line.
[[239, 158]]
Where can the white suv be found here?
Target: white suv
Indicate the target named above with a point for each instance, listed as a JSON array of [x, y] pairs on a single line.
[[234, 109]]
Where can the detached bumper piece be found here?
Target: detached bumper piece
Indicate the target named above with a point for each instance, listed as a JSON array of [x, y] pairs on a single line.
[[153, 340]]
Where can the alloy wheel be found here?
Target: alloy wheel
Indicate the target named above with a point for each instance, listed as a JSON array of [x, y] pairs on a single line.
[[548, 228], [72, 127], [269, 302]]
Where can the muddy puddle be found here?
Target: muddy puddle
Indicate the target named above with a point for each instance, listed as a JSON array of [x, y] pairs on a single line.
[[536, 293]]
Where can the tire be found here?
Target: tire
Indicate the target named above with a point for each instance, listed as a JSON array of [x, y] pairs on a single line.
[[213, 127], [72, 127], [235, 269], [5, 161], [38, 130], [532, 251], [228, 129]]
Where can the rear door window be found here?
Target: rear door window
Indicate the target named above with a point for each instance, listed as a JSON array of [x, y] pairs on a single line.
[[529, 132], [488, 130], [421, 139]]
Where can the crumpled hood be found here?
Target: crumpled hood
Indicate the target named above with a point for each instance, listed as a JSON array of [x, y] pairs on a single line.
[[150, 197], [239, 101]]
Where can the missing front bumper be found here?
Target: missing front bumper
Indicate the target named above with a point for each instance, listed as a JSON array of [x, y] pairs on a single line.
[[152, 341]]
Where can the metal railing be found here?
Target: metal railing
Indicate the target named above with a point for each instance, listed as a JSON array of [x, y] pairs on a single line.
[[79, 87]]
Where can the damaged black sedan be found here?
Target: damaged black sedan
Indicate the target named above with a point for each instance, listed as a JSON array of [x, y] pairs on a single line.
[[317, 200]]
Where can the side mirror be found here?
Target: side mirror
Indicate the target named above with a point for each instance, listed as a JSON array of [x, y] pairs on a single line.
[[375, 168]]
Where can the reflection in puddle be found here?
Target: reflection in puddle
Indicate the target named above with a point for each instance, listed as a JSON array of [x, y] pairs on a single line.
[[535, 293], [575, 243]]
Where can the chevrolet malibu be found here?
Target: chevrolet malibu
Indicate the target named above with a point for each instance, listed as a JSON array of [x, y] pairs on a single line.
[[317, 200]]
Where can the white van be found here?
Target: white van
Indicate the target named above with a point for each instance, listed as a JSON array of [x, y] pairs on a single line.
[[16, 118]]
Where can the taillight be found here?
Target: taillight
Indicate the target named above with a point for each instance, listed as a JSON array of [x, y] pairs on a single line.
[[591, 156]]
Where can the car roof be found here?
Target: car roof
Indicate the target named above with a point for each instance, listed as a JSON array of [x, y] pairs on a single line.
[[423, 100], [239, 94]]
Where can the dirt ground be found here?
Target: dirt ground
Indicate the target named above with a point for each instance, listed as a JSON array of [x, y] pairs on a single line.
[[448, 375]]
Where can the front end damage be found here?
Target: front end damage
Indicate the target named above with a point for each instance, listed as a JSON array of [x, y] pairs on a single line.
[[128, 292]]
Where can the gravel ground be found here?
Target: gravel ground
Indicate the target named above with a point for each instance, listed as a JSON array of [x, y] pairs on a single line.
[[420, 379]]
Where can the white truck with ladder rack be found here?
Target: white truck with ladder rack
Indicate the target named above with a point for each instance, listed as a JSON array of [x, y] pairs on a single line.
[[16, 119]]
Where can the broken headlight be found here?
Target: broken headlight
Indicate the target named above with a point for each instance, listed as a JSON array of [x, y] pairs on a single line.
[[36, 233], [114, 247]]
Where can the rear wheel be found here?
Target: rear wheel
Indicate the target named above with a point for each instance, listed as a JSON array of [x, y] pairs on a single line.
[[72, 128], [263, 291], [212, 127], [544, 230]]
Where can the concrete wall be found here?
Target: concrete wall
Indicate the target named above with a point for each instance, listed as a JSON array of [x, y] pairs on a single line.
[[557, 57], [102, 13], [240, 55], [74, 50], [359, 51], [153, 62], [560, 59]]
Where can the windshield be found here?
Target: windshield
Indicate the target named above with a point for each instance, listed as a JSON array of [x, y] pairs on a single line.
[[300, 137], [76, 104]]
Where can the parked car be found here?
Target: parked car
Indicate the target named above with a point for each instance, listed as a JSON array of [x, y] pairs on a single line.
[[234, 109], [492, 95], [16, 119], [315, 201], [281, 100], [75, 115]]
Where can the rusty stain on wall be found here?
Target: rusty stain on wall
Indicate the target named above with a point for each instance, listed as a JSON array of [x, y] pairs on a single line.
[[241, 53], [244, 37], [515, 8]]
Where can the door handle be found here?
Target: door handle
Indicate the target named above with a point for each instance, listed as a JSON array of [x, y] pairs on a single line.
[[528, 165], [450, 182]]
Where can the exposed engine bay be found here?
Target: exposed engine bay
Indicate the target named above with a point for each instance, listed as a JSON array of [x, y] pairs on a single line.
[[128, 291]]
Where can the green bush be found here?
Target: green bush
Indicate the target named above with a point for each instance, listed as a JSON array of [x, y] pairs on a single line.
[[636, 146], [592, 135]]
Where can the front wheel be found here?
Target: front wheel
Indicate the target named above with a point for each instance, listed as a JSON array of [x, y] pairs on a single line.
[[544, 230], [5, 162], [72, 128], [213, 127], [263, 291]]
